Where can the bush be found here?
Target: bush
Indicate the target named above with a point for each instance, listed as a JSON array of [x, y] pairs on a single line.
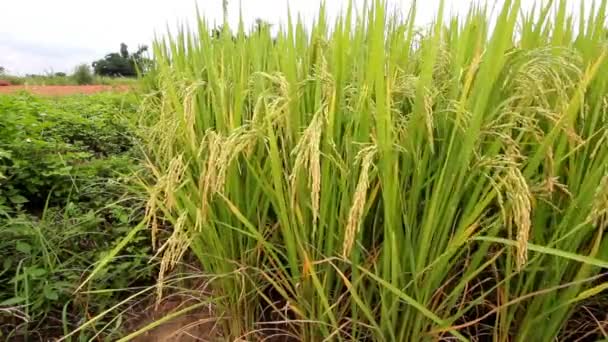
[[83, 75], [44, 142], [13, 80]]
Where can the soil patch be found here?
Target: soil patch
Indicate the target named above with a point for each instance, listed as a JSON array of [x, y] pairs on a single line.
[[198, 325]]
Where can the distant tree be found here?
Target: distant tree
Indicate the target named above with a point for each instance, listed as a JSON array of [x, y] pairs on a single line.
[[83, 75], [216, 32], [123, 63], [225, 10], [124, 50], [261, 24], [2, 70], [114, 65], [142, 63], [60, 74]]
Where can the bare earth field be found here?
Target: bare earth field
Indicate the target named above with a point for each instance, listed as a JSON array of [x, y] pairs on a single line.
[[63, 90]]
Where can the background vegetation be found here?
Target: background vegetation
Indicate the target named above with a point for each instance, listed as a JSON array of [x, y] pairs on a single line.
[[65, 200], [114, 69], [83, 75], [123, 64], [62, 79]]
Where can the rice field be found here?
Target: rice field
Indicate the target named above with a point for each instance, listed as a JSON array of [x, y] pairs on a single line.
[[366, 179]]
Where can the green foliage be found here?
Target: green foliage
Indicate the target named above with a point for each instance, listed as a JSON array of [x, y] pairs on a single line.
[[123, 64], [374, 181], [83, 75], [46, 142], [48, 78], [65, 200], [13, 80], [124, 51], [44, 260], [66, 80], [116, 81]]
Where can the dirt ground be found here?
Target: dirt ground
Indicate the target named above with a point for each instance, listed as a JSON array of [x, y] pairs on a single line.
[[63, 90], [192, 327]]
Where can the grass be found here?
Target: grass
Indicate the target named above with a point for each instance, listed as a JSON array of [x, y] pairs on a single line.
[[368, 180]]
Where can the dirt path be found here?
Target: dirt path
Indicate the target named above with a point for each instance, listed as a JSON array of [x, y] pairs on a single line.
[[199, 325], [63, 90]]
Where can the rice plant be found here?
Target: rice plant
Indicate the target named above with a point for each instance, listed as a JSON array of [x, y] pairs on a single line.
[[367, 179]]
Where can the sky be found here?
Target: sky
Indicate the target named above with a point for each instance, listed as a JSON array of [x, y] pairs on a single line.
[[39, 36]]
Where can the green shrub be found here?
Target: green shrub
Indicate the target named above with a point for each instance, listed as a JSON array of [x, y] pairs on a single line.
[[13, 80], [46, 142], [83, 75]]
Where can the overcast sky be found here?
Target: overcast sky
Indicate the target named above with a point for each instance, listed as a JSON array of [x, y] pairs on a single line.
[[37, 36]]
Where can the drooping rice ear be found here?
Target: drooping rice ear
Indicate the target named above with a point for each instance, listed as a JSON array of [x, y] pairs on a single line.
[[355, 215], [308, 155]]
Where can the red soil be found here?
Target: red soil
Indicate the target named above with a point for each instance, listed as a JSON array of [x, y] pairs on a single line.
[[63, 90]]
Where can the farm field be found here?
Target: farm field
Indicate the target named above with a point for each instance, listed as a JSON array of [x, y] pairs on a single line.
[[362, 179]]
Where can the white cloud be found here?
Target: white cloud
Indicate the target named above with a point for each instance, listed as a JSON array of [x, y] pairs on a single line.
[[40, 35]]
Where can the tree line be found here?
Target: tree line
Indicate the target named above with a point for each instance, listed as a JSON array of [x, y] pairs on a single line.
[[123, 63]]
